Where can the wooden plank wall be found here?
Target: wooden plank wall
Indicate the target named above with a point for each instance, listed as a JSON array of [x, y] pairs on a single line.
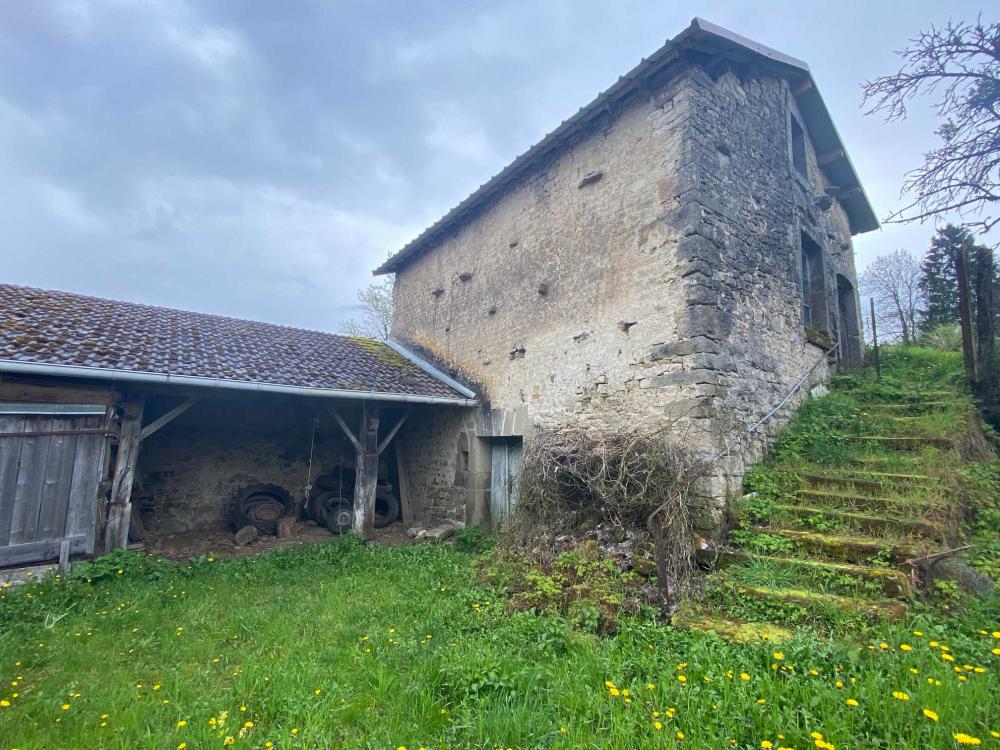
[[48, 482]]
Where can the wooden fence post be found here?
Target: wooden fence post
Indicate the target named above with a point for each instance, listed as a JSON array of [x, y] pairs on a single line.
[[120, 508], [878, 362], [966, 314]]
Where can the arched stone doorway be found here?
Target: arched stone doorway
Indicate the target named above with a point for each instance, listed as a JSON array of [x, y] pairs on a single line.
[[851, 351]]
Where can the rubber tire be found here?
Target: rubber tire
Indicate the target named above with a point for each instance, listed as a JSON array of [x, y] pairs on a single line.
[[341, 479], [245, 498], [339, 517], [386, 507], [321, 501]]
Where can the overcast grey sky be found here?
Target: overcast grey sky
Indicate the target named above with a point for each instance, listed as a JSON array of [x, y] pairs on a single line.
[[258, 159]]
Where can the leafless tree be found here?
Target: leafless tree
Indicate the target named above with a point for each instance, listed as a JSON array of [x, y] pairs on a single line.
[[376, 303], [893, 281], [960, 64]]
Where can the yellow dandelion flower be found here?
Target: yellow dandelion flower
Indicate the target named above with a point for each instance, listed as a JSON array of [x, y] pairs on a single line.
[[761, 701], [883, 645], [65, 707], [932, 715], [563, 730], [816, 735], [838, 684], [680, 735], [779, 655], [905, 647], [995, 652], [4, 703], [681, 679], [967, 739], [295, 731], [248, 725], [918, 633], [657, 725], [900, 695], [229, 740], [182, 746], [766, 744], [852, 703], [947, 657], [744, 676], [650, 686]]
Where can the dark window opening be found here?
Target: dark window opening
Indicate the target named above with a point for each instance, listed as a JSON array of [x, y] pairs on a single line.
[[814, 313], [798, 148]]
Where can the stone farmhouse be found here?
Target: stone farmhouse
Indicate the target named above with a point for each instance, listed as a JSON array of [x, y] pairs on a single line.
[[677, 253]]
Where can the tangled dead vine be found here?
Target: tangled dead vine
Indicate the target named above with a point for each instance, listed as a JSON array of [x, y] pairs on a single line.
[[637, 479]]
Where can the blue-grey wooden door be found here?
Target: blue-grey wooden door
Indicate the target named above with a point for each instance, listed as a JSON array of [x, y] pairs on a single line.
[[506, 462]]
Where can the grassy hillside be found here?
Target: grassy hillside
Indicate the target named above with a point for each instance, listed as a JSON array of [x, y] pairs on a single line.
[[343, 645]]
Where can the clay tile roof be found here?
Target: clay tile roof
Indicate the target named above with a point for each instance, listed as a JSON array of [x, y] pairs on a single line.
[[39, 326]]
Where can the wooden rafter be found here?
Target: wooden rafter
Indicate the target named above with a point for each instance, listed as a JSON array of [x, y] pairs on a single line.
[[392, 433], [166, 419]]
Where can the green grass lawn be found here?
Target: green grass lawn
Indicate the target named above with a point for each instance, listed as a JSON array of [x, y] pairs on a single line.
[[342, 645]]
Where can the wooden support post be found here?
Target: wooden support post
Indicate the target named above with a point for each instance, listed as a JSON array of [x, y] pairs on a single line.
[[966, 314], [366, 473], [405, 507], [878, 362], [120, 507]]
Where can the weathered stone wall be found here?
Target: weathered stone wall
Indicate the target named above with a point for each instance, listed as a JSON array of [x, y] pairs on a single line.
[[555, 296], [192, 467], [748, 206], [433, 439], [667, 291]]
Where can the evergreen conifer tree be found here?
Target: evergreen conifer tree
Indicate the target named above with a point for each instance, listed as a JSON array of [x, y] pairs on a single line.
[[937, 277]]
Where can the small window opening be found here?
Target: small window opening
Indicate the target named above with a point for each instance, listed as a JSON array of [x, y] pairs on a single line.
[[814, 314], [798, 148]]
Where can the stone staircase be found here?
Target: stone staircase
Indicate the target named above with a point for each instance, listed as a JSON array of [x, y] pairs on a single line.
[[831, 544]]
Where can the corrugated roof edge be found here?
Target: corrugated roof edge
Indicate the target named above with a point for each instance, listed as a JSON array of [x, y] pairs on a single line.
[[862, 218]]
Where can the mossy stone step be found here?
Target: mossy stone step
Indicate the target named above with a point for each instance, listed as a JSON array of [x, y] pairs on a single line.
[[875, 609], [894, 583], [927, 506], [857, 549], [909, 406], [865, 521], [908, 397], [901, 443], [696, 618], [875, 481]]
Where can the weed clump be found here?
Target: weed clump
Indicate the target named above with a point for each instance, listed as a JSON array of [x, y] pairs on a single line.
[[573, 479]]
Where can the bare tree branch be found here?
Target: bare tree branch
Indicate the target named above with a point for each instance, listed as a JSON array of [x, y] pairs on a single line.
[[893, 281], [376, 303], [960, 64]]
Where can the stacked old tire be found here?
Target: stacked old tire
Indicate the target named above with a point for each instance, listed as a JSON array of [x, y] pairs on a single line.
[[260, 506], [331, 502]]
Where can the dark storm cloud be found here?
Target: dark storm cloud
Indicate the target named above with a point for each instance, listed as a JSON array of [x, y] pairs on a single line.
[[259, 158]]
